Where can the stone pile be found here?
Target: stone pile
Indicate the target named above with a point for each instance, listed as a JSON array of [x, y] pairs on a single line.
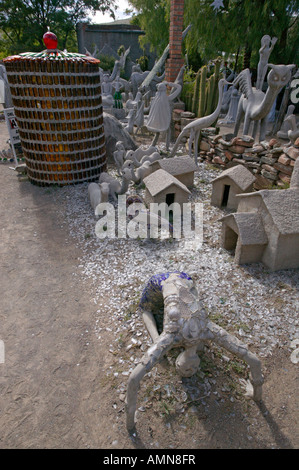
[[271, 162], [180, 119]]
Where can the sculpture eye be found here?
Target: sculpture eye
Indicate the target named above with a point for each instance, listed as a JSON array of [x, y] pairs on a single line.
[[276, 78]]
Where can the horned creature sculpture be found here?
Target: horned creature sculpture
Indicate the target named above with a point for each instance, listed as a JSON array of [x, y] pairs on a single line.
[[184, 323], [254, 104]]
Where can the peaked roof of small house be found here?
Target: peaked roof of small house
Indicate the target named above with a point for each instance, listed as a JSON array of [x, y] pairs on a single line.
[[282, 205], [250, 227], [240, 175], [160, 180], [176, 165]]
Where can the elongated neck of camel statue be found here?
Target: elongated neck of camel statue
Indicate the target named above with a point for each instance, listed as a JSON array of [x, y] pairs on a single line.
[[212, 117], [266, 105]]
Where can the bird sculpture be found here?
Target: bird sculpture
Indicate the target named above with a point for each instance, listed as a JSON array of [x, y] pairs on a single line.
[[194, 127]]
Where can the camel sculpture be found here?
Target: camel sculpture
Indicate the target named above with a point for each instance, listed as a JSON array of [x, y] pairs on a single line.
[[138, 174], [195, 126], [255, 105], [175, 317], [98, 193], [140, 152], [115, 187], [152, 157]]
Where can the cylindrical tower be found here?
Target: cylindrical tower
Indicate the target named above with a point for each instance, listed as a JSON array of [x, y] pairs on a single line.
[[58, 106]]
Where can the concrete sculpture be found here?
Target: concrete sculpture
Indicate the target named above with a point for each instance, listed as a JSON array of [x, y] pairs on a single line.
[[98, 193], [293, 133], [230, 183], [151, 157], [162, 187], [286, 125], [175, 317], [232, 108], [183, 168], [267, 46], [114, 132], [254, 104], [115, 187], [138, 175], [7, 101], [141, 152], [119, 156], [159, 117], [265, 227], [194, 127]]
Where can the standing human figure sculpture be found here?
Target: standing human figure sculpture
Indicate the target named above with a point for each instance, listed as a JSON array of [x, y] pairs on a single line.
[[159, 117], [119, 156], [267, 47], [107, 89]]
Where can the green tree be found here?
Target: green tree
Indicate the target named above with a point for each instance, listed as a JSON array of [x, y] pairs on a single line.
[[236, 27], [153, 18], [23, 23]]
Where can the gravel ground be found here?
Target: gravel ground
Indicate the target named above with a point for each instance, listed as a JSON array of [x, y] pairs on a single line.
[[207, 410], [259, 307]]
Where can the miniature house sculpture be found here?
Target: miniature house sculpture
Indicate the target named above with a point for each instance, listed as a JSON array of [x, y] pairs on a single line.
[[265, 227], [161, 187], [230, 183], [182, 168]]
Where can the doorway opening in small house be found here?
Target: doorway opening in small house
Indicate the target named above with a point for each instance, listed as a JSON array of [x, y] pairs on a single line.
[[170, 200], [230, 240], [225, 195]]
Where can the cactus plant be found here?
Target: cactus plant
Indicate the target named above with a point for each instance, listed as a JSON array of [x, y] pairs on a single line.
[[195, 101], [202, 92]]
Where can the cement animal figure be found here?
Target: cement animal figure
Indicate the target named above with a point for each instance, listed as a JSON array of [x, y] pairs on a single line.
[[255, 105], [184, 323], [293, 133], [119, 155], [98, 193], [146, 158], [194, 127], [140, 173], [286, 125], [140, 152], [115, 187]]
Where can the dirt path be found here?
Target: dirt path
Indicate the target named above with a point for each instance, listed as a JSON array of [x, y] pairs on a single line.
[[54, 392]]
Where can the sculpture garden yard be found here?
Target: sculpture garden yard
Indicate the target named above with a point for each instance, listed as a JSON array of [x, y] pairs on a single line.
[[89, 290], [116, 341]]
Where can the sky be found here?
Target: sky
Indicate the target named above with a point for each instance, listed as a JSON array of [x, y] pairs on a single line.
[[119, 14]]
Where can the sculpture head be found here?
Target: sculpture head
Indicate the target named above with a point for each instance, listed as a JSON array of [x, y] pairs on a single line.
[[280, 75], [104, 187], [161, 87], [223, 82], [266, 40], [119, 145], [129, 155]]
